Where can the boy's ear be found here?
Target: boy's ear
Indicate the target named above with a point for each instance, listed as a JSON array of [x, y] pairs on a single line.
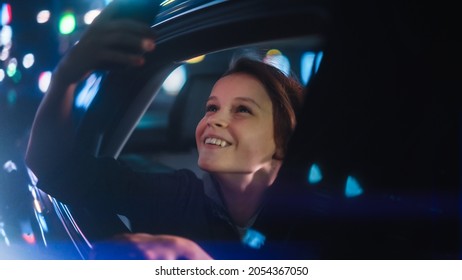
[[279, 153]]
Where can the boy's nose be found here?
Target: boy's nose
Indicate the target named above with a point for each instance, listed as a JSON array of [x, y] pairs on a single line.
[[217, 121]]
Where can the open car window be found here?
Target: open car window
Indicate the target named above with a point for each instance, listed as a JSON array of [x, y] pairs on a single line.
[[164, 136]]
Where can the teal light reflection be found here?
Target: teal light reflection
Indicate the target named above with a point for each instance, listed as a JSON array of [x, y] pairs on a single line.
[[310, 62], [314, 174], [88, 91], [253, 239], [307, 66], [352, 187]]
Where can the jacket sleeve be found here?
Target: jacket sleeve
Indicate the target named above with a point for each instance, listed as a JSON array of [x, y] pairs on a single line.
[[106, 182]]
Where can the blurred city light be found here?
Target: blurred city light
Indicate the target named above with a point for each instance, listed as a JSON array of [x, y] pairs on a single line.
[[17, 76], [6, 35], [28, 60], [43, 16], [6, 14], [44, 81], [277, 59], [67, 23], [175, 81], [90, 16], [9, 166], [5, 53], [11, 67]]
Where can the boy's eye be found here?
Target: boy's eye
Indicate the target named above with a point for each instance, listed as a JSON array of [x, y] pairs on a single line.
[[211, 108], [243, 109]]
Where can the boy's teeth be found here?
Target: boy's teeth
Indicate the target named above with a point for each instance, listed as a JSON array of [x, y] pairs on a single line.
[[216, 141]]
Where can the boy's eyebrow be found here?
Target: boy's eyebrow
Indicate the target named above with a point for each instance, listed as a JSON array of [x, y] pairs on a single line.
[[246, 99]]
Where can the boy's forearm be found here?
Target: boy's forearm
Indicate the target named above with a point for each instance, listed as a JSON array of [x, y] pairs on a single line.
[[51, 138]]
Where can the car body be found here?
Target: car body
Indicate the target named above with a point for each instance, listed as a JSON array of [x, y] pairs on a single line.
[[373, 167]]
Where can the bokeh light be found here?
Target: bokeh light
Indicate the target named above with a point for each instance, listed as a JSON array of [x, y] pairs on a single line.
[[277, 59], [90, 16], [11, 67], [6, 34], [175, 81], [67, 23], [44, 81], [196, 59], [43, 16], [4, 54], [28, 60], [6, 14]]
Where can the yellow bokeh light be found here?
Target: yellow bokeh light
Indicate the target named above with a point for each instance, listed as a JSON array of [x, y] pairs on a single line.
[[273, 52], [196, 59]]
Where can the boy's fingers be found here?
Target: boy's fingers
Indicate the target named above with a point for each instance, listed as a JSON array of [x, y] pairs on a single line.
[[114, 58], [129, 26], [128, 43]]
